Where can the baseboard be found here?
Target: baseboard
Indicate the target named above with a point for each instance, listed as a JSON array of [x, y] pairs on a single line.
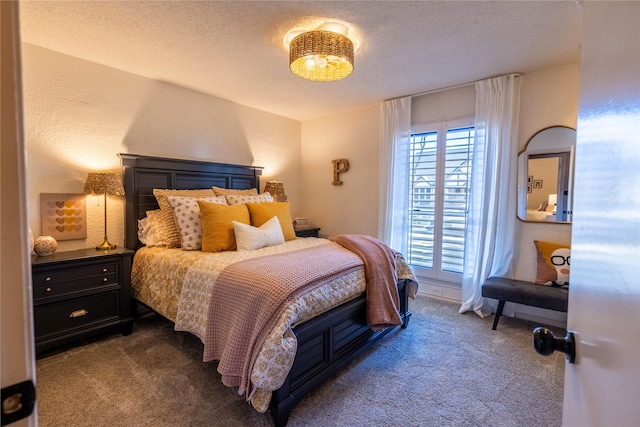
[[441, 291], [453, 293], [540, 315]]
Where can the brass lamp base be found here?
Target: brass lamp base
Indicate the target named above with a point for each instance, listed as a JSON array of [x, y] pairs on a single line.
[[106, 245]]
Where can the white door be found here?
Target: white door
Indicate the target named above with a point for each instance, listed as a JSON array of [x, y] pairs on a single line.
[[603, 387], [15, 277]]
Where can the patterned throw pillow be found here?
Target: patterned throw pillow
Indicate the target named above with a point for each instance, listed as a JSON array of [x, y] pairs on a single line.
[[224, 191], [186, 214], [262, 212], [168, 227], [155, 236], [553, 263], [217, 225], [249, 238], [241, 199]]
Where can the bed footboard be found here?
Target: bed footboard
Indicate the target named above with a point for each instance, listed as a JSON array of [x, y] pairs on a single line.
[[326, 344]]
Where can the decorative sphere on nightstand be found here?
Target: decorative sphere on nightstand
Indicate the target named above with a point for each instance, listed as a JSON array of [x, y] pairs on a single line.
[[45, 245]]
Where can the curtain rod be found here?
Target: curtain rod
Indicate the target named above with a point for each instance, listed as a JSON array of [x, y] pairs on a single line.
[[451, 87]]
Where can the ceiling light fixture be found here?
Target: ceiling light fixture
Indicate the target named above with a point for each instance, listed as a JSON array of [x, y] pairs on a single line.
[[321, 56]]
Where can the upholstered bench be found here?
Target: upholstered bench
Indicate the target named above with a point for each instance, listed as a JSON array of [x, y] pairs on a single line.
[[526, 293]]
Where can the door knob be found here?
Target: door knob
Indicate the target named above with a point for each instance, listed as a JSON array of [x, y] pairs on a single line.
[[546, 343]]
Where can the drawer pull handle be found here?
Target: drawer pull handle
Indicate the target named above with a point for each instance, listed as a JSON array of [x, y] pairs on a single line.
[[47, 279], [104, 270], [79, 313], [104, 279], [48, 289]]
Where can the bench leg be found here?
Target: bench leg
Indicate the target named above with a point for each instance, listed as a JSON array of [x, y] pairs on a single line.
[[498, 314]]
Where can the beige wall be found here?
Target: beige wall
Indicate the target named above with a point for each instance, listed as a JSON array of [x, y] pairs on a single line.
[[546, 170], [353, 206], [79, 115], [548, 97]]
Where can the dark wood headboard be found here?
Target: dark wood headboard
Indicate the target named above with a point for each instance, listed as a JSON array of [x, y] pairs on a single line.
[[143, 173]]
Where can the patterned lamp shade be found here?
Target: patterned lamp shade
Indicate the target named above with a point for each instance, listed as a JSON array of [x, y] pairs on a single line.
[[104, 183], [276, 189]]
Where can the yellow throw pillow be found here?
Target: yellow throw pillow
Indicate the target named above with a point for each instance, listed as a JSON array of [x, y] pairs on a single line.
[[217, 225], [263, 212]]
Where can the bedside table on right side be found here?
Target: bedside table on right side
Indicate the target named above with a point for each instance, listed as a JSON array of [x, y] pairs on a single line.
[[307, 231]]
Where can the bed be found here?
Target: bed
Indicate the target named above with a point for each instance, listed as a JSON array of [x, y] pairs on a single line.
[[537, 215], [320, 339]]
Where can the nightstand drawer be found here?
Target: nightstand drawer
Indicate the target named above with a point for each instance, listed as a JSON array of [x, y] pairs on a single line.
[[61, 282], [76, 313], [307, 232], [66, 274], [79, 294]]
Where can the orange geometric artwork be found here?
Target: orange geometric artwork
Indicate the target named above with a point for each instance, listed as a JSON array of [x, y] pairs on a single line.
[[63, 216]]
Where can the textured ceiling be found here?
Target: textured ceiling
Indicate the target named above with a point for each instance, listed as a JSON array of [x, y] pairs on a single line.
[[235, 50]]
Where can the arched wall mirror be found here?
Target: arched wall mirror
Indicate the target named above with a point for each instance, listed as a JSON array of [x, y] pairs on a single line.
[[545, 176]]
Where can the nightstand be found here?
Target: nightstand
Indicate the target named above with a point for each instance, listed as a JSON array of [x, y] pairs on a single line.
[[307, 232], [78, 294]]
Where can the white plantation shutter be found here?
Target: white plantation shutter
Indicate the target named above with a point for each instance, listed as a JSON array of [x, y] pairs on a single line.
[[422, 198], [459, 148], [440, 165]]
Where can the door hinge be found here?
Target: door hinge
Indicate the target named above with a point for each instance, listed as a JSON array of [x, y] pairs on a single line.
[[18, 401]]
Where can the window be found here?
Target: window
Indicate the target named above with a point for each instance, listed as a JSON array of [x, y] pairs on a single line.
[[440, 166]]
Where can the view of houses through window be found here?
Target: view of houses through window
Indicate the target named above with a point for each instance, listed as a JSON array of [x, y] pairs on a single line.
[[440, 166]]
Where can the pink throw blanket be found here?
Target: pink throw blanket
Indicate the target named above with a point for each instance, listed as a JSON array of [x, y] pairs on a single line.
[[383, 305], [248, 298]]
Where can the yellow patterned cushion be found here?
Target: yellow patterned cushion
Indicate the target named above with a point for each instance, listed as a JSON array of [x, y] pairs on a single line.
[[168, 227], [155, 220], [225, 191], [217, 225], [263, 212]]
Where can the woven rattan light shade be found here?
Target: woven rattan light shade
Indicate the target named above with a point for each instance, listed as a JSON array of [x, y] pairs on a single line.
[[276, 189], [321, 56]]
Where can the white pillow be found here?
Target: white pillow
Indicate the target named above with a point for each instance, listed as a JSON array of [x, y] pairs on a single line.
[[241, 199], [249, 238], [144, 226], [153, 235], [187, 215]]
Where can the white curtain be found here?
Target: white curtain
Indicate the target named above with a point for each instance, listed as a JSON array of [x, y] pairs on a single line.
[[395, 137], [492, 208]]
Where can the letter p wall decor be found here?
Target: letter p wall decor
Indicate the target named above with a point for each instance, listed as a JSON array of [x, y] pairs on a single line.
[[339, 166]]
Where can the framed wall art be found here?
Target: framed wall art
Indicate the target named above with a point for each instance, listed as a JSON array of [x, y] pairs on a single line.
[[63, 216]]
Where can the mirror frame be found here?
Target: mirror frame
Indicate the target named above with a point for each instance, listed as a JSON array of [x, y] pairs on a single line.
[[523, 160]]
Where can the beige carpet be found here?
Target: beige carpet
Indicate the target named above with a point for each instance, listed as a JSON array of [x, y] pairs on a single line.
[[446, 369]]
